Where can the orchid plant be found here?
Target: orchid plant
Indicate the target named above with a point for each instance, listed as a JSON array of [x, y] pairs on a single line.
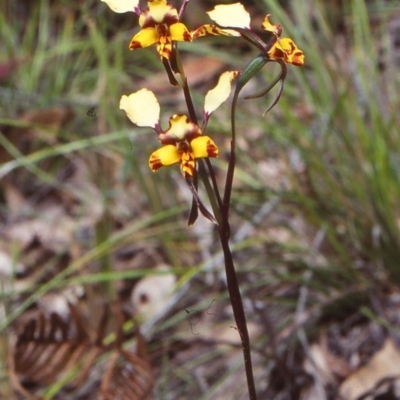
[[185, 142]]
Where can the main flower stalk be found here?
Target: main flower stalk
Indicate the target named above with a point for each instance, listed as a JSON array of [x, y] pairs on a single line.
[[186, 142]]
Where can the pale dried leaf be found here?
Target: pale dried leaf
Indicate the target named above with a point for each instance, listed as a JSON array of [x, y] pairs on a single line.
[[384, 364]]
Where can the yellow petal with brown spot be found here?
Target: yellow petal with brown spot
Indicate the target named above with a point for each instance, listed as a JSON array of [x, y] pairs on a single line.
[[212, 30], [204, 146], [294, 54], [286, 50], [144, 38], [164, 156], [180, 33]]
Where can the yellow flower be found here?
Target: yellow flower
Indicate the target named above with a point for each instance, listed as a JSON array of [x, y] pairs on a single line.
[[159, 22], [183, 142], [284, 48], [234, 20]]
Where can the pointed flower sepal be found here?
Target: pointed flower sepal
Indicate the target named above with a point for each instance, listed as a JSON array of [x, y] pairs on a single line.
[[142, 108], [224, 15], [230, 15], [215, 97], [123, 6]]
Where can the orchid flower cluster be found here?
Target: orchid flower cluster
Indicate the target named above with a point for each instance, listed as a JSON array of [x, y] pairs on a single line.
[[184, 142]]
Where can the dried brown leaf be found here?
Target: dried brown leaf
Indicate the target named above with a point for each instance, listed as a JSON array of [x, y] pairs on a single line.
[[385, 364], [48, 348]]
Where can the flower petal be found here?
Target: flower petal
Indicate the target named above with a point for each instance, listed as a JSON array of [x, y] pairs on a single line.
[[230, 15], [166, 155], [141, 107], [122, 6], [213, 30], [204, 146], [180, 128], [294, 54], [215, 97], [285, 49], [276, 29], [144, 38], [188, 163], [164, 47], [180, 33], [160, 11]]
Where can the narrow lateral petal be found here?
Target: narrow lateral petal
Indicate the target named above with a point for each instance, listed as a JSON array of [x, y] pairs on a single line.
[[166, 155], [144, 38], [212, 30], [141, 107], [122, 6], [230, 15], [204, 146], [215, 97], [180, 33]]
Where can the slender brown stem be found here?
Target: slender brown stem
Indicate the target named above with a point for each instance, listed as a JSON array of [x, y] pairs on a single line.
[[238, 311], [231, 170], [221, 213], [214, 182]]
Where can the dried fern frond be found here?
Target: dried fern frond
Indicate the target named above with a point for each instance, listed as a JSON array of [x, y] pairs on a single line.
[[48, 348], [52, 350], [128, 377]]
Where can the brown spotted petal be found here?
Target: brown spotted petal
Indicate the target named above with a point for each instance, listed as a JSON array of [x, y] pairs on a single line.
[[212, 30], [180, 128], [158, 12], [164, 156], [203, 147], [285, 49]]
